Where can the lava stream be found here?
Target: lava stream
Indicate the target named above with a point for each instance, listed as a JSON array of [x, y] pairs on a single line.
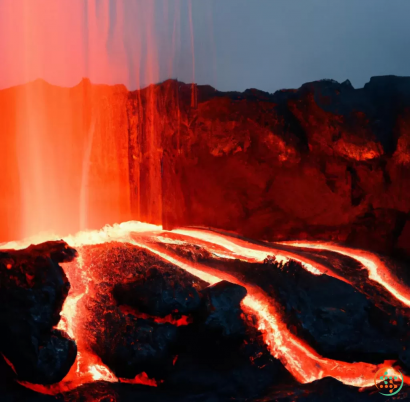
[[378, 271], [246, 249], [301, 361]]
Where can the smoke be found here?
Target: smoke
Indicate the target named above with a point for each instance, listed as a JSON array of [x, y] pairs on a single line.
[[130, 42]]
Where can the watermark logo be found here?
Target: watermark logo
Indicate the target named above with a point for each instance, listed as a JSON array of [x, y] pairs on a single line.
[[388, 381]]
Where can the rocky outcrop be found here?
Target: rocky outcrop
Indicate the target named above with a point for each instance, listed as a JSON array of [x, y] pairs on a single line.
[[136, 330], [33, 287], [325, 161]]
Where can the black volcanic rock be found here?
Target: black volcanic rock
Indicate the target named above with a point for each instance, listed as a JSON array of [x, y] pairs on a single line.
[[334, 317], [127, 344], [159, 292], [44, 362], [217, 352], [404, 356], [337, 320], [145, 347], [225, 370], [33, 284], [33, 288], [11, 391], [221, 303], [324, 390]]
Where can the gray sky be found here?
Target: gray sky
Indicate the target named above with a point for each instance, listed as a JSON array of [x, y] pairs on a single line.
[[238, 44], [274, 44]]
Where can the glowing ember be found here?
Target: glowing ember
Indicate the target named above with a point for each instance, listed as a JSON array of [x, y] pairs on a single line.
[[100, 372]]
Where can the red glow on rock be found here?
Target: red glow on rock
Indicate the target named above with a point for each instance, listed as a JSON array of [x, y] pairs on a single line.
[[140, 379], [9, 363], [170, 318]]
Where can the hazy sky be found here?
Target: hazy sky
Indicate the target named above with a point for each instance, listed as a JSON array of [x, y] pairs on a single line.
[[238, 44], [273, 44]]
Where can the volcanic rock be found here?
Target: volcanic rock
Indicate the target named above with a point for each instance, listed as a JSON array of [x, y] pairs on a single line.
[[221, 303], [337, 320], [244, 161], [145, 347], [130, 290], [132, 293], [226, 370], [33, 288], [334, 317], [159, 293], [11, 391], [238, 161], [324, 390], [47, 362], [405, 355], [129, 345]]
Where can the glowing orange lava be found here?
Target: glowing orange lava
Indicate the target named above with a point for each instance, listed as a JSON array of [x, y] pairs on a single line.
[[304, 363], [378, 271]]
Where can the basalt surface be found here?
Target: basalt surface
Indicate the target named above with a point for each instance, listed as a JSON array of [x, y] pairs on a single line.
[[33, 288], [326, 161], [144, 315]]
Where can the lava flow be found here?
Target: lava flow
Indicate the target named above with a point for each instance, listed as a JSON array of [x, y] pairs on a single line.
[[305, 364], [378, 271]]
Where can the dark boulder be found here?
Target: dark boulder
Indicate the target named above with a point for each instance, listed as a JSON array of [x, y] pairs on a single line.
[[159, 292], [33, 284], [337, 320], [127, 344], [33, 288], [42, 361], [228, 370], [221, 308], [145, 347], [334, 317]]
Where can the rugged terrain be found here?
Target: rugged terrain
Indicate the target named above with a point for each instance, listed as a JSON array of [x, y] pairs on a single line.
[[326, 161]]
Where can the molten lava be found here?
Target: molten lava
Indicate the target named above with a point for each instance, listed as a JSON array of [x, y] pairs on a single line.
[[300, 360], [378, 271]]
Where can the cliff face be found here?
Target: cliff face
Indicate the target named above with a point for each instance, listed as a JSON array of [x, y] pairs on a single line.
[[322, 162], [326, 161]]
